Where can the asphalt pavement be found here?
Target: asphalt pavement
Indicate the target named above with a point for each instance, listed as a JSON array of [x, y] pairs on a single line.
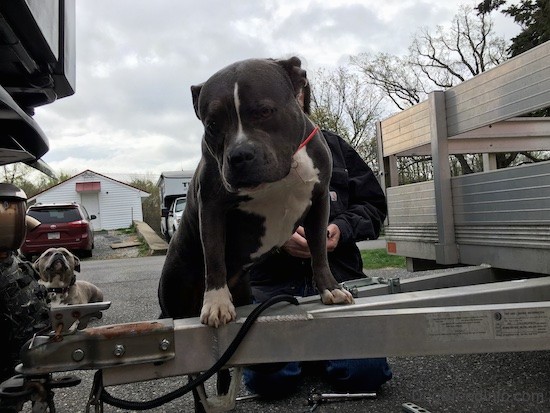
[[494, 382]]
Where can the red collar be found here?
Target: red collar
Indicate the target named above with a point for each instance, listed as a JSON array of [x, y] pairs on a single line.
[[306, 140]]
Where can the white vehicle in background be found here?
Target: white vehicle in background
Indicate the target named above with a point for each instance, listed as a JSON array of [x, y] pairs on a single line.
[[174, 215], [172, 185]]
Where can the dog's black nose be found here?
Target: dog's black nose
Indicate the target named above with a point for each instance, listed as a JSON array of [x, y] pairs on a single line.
[[241, 156]]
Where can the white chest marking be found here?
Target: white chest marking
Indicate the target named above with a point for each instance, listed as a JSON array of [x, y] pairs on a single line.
[[58, 299], [282, 203]]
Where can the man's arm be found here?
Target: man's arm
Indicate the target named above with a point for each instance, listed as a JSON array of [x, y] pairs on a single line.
[[366, 204]]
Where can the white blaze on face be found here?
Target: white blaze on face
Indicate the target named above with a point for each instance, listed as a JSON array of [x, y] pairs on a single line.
[[240, 133], [282, 203]]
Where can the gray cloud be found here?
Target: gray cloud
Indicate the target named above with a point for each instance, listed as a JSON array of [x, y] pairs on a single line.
[[136, 60]]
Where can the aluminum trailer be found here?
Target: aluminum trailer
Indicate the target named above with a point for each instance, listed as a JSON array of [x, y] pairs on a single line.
[[496, 217]]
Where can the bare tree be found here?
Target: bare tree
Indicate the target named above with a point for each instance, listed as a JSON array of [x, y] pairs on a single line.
[[436, 61], [439, 60], [28, 179], [10, 173], [393, 75], [465, 49], [343, 103]]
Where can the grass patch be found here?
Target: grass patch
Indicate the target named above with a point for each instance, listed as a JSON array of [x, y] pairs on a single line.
[[127, 231], [379, 258], [143, 248]]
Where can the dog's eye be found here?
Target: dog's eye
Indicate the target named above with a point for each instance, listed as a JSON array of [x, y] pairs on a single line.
[[264, 112], [212, 127]]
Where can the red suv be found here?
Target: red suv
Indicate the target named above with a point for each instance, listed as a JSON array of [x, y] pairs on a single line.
[[61, 225]]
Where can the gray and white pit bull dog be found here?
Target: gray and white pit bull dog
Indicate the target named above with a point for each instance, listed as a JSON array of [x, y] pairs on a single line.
[[56, 268], [264, 170]]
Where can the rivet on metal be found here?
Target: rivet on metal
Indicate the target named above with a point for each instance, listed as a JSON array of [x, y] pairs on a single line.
[[78, 354], [164, 344], [119, 350]]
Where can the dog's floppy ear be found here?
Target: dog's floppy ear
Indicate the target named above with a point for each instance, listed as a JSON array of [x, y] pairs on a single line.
[[195, 92], [76, 263], [36, 265], [298, 77]]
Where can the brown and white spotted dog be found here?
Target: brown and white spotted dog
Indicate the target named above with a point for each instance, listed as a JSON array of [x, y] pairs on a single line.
[[265, 169], [56, 268]]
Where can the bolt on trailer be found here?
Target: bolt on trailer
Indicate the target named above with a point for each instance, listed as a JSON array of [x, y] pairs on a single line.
[[492, 225]]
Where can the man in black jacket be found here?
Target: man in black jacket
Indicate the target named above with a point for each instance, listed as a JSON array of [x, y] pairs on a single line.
[[357, 212]]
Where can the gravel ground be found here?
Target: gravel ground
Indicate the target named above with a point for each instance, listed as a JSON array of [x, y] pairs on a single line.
[[103, 241]]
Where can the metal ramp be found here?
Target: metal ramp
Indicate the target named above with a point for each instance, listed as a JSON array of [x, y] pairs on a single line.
[[438, 314]]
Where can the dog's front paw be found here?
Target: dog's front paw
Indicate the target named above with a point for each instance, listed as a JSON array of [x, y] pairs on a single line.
[[217, 307], [336, 296]]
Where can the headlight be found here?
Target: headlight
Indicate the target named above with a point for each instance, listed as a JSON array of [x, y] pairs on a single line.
[[12, 217]]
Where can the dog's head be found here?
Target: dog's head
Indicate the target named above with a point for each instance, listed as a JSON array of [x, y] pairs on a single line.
[[57, 266], [253, 121]]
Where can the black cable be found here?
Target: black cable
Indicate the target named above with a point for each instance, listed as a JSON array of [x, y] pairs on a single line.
[[159, 401]]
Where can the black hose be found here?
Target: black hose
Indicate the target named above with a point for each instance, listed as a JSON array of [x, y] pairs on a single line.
[[159, 401]]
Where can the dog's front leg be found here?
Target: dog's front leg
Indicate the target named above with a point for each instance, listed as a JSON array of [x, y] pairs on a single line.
[[315, 226], [217, 307]]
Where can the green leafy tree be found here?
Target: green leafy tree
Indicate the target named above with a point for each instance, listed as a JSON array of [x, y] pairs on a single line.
[[532, 15], [151, 204], [534, 20]]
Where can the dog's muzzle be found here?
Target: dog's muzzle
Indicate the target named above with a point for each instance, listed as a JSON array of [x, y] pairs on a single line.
[[57, 262], [248, 166]]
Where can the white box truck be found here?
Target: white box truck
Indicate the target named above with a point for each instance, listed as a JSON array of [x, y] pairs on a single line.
[[172, 185]]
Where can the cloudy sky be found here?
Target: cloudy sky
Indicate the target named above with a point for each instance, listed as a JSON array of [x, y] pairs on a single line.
[[132, 113]]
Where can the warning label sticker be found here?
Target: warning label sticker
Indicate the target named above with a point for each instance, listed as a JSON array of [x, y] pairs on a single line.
[[511, 323], [459, 325], [522, 323]]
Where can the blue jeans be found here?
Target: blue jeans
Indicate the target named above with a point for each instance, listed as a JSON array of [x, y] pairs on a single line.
[[275, 380], [348, 376]]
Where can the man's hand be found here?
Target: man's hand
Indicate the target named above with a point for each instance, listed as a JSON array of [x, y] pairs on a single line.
[[297, 245], [333, 237]]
